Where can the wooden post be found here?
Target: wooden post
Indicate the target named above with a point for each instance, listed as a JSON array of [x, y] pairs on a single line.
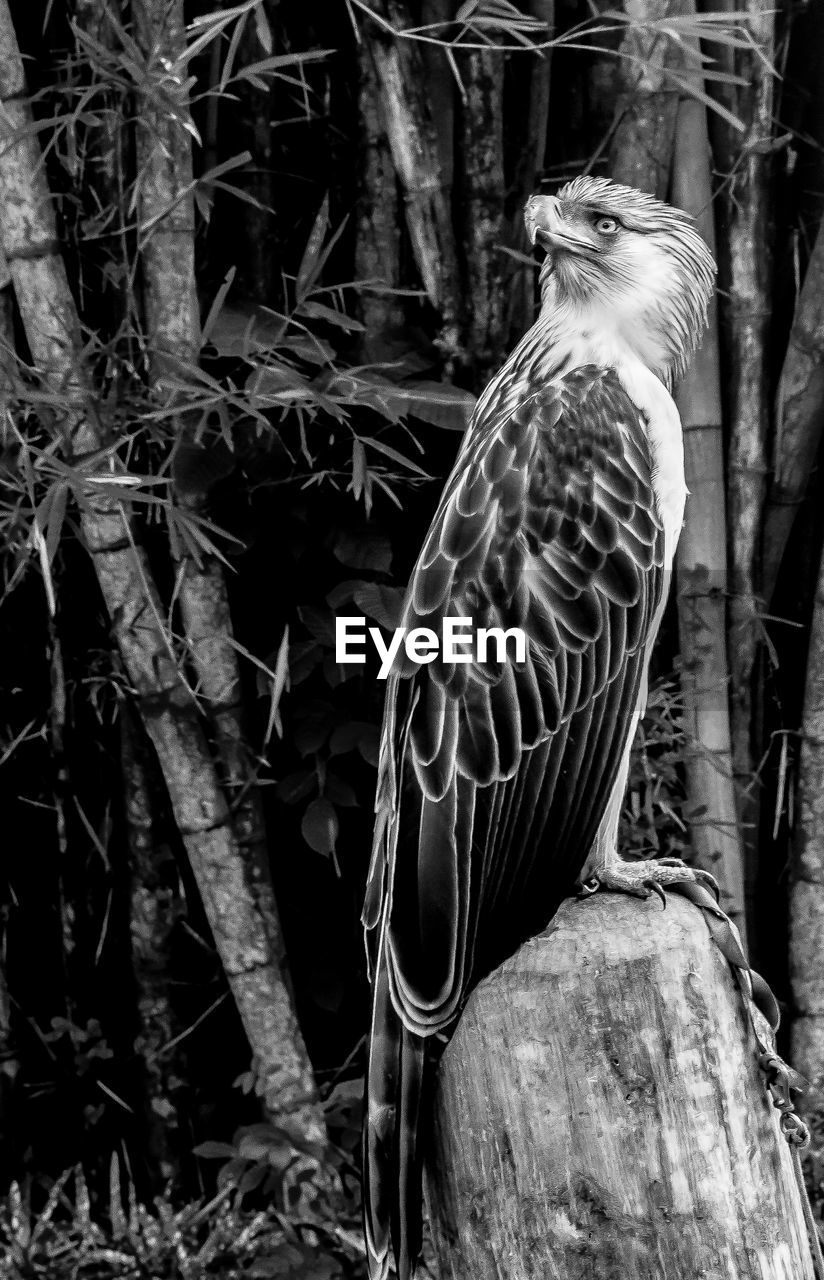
[[600, 1114]]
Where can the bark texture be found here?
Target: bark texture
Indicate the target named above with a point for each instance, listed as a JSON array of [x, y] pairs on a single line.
[[600, 1113], [744, 162], [807, 873], [647, 102], [164, 189], [441, 89], [166, 206], [702, 559], [482, 154], [155, 906], [248, 940], [413, 142], [377, 247], [799, 418], [528, 168]]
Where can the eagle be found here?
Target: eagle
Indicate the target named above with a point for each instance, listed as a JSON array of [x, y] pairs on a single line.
[[500, 783]]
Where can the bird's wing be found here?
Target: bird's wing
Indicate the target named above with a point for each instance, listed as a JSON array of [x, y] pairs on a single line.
[[494, 777]]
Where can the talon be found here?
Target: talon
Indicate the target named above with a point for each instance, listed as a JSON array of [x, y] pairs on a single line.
[[655, 887], [589, 887], [710, 881]]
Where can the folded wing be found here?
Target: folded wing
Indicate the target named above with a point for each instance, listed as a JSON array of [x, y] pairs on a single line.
[[495, 775]]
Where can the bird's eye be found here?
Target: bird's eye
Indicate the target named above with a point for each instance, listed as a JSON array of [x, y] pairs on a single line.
[[606, 226]]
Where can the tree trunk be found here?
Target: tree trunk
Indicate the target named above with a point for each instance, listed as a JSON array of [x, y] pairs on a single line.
[[482, 178], [441, 89], [807, 872], [601, 1113], [702, 558], [247, 939], [155, 906], [743, 161], [799, 417], [642, 146], [528, 167], [166, 231], [410, 130], [377, 247]]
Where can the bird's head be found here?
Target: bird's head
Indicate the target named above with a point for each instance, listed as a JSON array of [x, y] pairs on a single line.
[[620, 259]]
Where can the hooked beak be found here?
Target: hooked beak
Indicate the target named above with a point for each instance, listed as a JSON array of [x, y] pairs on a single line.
[[545, 227]]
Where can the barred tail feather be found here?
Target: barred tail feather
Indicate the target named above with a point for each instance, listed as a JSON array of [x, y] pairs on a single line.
[[392, 1164]]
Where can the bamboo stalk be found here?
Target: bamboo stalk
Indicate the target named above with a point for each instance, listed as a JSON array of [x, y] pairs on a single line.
[[441, 86], [377, 246], [155, 905], [6, 331], [702, 558], [744, 163], [482, 177], [166, 219], [413, 142], [655, 137], [799, 418], [244, 936], [260, 278], [529, 165], [642, 145], [807, 873], [9, 1061], [102, 149]]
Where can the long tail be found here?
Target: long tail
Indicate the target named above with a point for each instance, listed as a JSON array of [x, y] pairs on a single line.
[[392, 1162]]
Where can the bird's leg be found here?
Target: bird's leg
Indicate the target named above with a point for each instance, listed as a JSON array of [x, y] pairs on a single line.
[[604, 869], [645, 877]]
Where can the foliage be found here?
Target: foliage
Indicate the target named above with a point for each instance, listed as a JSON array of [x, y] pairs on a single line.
[[653, 820], [63, 1239], [319, 467]]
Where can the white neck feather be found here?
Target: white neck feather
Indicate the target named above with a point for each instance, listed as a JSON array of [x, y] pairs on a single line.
[[562, 339]]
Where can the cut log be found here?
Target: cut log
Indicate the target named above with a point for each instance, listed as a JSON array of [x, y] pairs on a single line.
[[600, 1114]]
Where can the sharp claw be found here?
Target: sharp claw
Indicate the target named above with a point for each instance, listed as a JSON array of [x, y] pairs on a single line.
[[589, 887], [710, 881], [655, 887]]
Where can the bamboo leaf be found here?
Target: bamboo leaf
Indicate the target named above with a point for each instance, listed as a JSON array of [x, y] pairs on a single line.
[[395, 456], [231, 52], [210, 25], [691, 90], [280, 62], [263, 31], [280, 685], [307, 270], [319, 311], [217, 306], [358, 468]]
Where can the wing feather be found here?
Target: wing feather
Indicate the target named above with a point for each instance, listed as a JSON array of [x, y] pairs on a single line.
[[548, 522], [494, 776]]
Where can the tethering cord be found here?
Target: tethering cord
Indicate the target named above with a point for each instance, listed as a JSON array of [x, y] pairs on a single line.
[[762, 1007]]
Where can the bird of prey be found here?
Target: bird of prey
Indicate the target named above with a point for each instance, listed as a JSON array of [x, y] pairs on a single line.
[[500, 784]]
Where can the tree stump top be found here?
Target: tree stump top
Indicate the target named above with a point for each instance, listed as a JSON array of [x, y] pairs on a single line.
[[600, 1113]]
